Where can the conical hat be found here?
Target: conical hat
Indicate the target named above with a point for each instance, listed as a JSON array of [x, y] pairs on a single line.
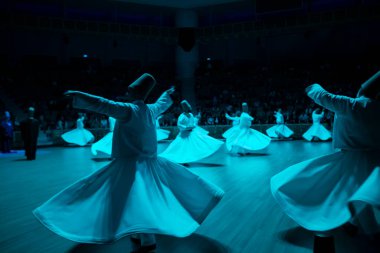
[[185, 105], [371, 87], [143, 85], [31, 111]]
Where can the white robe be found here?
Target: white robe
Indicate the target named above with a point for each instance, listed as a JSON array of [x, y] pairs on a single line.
[[137, 192], [280, 130], [243, 139], [192, 143], [79, 136], [105, 144], [324, 193], [317, 129], [200, 129]]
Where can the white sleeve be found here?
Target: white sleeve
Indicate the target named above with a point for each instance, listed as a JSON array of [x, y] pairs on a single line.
[[161, 105], [97, 104], [335, 103], [182, 122], [231, 118], [111, 121]]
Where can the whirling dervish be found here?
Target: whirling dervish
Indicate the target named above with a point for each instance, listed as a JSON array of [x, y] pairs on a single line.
[[79, 136], [162, 134], [324, 193], [280, 130], [317, 132], [242, 139], [105, 144], [192, 143], [137, 193]]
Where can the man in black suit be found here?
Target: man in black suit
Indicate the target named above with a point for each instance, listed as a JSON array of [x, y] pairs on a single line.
[[29, 132], [6, 133]]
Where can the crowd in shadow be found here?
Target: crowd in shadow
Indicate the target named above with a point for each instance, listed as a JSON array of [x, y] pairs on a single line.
[[218, 90]]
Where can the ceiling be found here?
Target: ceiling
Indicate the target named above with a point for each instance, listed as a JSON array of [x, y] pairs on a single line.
[[184, 4]]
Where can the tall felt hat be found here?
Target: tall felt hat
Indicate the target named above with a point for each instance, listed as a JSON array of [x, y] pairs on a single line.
[[31, 111], [185, 105], [142, 86], [371, 87]]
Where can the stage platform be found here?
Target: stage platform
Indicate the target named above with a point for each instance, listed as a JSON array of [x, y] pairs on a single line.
[[247, 220]]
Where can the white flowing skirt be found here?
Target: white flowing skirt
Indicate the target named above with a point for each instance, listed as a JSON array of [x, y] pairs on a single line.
[[130, 196], [191, 146], [317, 130], [325, 192], [103, 145], [162, 134], [201, 130], [78, 136], [279, 131], [245, 140]]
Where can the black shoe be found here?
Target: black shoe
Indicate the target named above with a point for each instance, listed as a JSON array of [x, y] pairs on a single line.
[[145, 249], [323, 244], [375, 238], [350, 229], [136, 243]]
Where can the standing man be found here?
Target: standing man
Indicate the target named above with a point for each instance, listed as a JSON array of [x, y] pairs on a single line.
[[6, 131], [29, 132]]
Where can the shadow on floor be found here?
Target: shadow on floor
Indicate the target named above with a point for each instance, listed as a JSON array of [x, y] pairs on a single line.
[[20, 160], [165, 244], [256, 154], [202, 164], [191, 244], [343, 242], [102, 159], [298, 236]]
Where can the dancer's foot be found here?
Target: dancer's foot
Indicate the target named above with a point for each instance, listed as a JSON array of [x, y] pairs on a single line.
[[351, 229], [136, 243], [145, 249], [323, 244], [375, 237]]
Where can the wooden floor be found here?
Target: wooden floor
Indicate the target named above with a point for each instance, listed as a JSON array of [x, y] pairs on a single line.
[[247, 219]]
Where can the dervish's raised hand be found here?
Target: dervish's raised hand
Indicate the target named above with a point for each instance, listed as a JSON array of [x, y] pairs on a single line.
[[70, 93], [171, 90], [308, 88]]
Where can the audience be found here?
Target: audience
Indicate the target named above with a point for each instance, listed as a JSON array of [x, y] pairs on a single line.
[[218, 91]]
